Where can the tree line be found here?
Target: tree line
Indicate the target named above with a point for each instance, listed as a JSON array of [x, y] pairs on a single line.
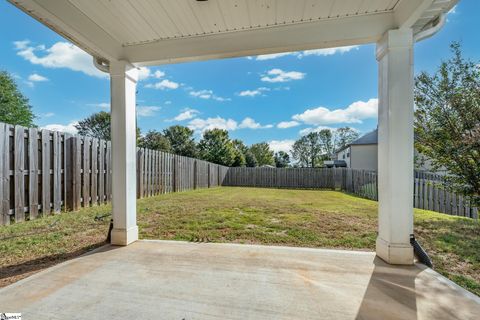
[[216, 145]]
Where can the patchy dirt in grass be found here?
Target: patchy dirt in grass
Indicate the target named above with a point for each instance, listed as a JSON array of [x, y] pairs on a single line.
[[29, 247]]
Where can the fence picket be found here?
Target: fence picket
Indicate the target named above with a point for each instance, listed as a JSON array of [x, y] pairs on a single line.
[[19, 179], [57, 172], [33, 172], [45, 172], [87, 153], [94, 175]]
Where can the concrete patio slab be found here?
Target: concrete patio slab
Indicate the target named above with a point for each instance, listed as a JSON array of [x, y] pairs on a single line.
[[181, 280]]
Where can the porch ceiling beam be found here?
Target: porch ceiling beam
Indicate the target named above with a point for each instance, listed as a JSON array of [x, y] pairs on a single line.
[[310, 35]]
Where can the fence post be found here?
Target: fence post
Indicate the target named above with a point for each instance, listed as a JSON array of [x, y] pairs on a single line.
[[73, 166], [175, 173], [139, 173], [208, 175], [195, 182], [4, 174], [69, 173]]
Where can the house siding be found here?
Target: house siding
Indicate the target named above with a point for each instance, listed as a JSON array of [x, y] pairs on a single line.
[[345, 156], [364, 157]]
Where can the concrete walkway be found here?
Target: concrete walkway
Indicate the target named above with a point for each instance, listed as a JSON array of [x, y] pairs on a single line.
[[181, 280]]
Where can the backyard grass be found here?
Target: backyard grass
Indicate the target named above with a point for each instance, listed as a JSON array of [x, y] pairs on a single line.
[[306, 218]]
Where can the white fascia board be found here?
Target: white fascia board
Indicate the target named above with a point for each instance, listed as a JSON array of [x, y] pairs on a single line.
[[303, 36], [66, 20]]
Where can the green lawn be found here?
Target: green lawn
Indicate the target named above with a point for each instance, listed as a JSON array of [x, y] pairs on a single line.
[[326, 219]]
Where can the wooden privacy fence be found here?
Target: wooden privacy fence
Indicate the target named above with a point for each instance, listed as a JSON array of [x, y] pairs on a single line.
[[295, 178], [429, 192], [159, 172], [43, 171]]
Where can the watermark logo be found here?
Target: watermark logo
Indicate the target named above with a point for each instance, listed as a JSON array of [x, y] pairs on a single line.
[[10, 316]]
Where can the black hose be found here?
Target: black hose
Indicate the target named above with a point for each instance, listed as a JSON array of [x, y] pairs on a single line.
[[110, 228], [420, 253]]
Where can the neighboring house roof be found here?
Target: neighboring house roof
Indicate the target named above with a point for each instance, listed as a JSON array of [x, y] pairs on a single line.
[[369, 138]]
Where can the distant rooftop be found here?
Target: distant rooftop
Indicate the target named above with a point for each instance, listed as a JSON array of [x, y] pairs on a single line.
[[369, 138]]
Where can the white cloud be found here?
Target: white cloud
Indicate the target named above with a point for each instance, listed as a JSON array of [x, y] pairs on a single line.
[[354, 113], [142, 111], [287, 124], [273, 56], [147, 111], [35, 77], [68, 128], [253, 93], [278, 75], [202, 94], [168, 102], [186, 114], [301, 54], [249, 123], [281, 145], [101, 105], [143, 73], [212, 123], [327, 51], [159, 74], [207, 94], [59, 55], [165, 84]]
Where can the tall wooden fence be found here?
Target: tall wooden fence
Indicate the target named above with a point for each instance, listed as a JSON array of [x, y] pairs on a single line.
[[429, 192], [43, 171]]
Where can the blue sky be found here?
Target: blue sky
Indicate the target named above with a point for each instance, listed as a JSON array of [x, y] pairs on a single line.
[[272, 98]]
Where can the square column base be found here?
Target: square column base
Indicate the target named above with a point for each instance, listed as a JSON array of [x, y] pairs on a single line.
[[123, 237], [398, 253]]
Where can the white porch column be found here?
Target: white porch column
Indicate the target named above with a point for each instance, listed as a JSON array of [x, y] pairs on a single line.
[[395, 147], [123, 77]]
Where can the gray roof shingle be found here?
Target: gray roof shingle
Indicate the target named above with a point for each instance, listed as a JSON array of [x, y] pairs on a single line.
[[369, 138]]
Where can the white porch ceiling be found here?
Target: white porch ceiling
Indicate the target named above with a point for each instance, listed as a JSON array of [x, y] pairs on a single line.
[[143, 21], [162, 31]]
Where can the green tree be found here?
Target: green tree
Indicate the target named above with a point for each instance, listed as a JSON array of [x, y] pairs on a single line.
[[343, 137], [96, 125], [447, 122], [300, 152], [250, 160], [263, 154], [14, 107], [328, 146], [308, 150], [156, 141], [181, 140], [216, 146], [240, 150], [282, 159], [239, 159]]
